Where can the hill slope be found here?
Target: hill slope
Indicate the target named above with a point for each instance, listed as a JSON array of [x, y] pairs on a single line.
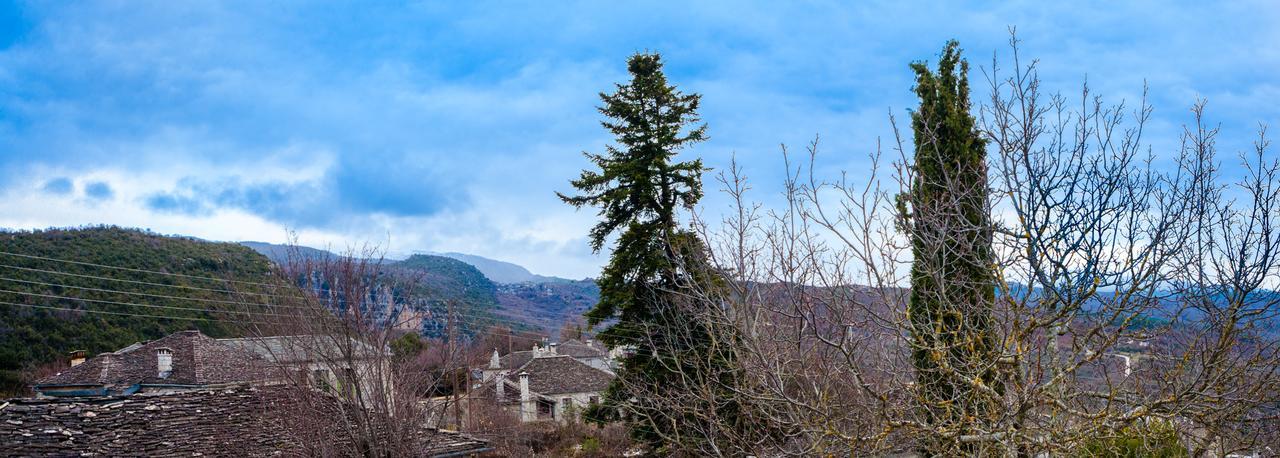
[[516, 298], [446, 282], [547, 305], [31, 337]]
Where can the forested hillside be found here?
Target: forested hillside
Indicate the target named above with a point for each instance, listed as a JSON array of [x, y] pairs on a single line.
[[449, 282], [52, 307]]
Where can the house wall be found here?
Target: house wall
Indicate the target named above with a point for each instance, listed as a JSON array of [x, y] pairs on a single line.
[[598, 363], [367, 375], [578, 402]]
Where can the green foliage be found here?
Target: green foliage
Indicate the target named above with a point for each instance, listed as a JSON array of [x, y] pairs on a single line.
[[1157, 439], [30, 337], [591, 445], [952, 284], [408, 345], [639, 188]]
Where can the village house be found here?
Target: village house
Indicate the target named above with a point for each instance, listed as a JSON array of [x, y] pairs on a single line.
[[189, 359], [546, 384], [189, 394], [326, 362], [591, 352], [180, 361]]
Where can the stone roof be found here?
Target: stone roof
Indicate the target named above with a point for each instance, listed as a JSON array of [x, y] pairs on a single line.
[[305, 348], [572, 347], [228, 421], [578, 349], [196, 360], [515, 359], [562, 374]]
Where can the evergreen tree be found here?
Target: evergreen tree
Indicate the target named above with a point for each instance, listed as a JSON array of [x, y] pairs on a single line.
[[952, 283], [639, 189]]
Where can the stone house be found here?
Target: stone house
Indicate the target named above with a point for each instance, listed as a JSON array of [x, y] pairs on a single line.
[[188, 360], [591, 352], [180, 361], [326, 362], [548, 386]]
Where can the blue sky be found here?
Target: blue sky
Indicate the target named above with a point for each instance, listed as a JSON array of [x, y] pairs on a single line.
[[448, 126]]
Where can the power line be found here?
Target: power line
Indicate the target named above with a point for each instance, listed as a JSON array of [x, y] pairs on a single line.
[[56, 272], [135, 293], [138, 282], [476, 315], [473, 316], [169, 307], [130, 269], [492, 317], [106, 312]]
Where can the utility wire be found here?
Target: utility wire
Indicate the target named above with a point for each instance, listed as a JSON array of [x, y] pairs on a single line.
[[138, 282], [473, 314], [159, 296], [476, 317], [105, 312], [131, 304], [130, 269], [493, 318]]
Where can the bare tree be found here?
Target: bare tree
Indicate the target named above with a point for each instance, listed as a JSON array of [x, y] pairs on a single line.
[[328, 326], [1133, 296]]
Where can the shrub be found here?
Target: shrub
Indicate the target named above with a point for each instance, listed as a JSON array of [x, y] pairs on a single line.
[[1157, 439]]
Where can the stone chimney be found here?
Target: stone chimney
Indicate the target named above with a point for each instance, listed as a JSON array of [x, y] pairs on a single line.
[[500, 385], [551, 349], [164, 362], [494, 361], [537, 351], [528, 408], [77, 357]]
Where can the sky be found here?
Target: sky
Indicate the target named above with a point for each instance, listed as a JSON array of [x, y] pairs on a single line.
[[449, 126]]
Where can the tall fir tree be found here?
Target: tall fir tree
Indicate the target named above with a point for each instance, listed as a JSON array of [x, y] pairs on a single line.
[[954, 346], [639, 189]]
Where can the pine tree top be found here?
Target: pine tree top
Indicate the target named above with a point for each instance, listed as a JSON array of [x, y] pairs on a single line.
[[637, 182]]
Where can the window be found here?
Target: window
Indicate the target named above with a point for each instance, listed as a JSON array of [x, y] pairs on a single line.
[[320, 377], [348, 381]]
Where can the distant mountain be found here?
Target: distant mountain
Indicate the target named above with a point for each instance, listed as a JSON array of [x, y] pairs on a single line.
[[535, 300], [502, 271], [280, 254]]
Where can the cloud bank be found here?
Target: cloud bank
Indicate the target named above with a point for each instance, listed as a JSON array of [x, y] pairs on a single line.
[[427, 127]]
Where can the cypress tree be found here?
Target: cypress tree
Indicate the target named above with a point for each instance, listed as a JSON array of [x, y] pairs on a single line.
[[954, 347], [639, 188]]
